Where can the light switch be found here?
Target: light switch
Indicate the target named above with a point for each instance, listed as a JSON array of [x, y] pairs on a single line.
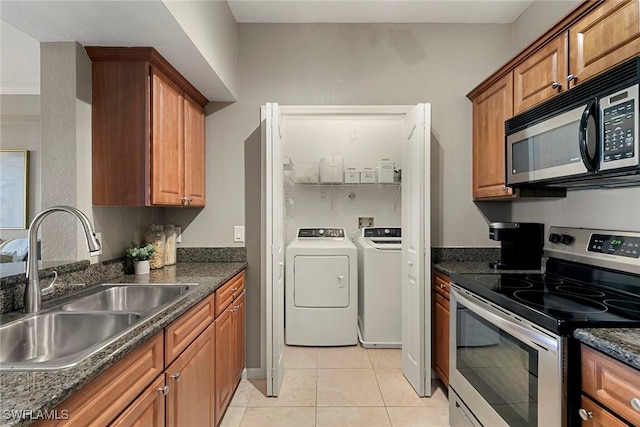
[[238, 233]]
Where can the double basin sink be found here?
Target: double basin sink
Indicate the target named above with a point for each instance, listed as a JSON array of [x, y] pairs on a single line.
[[63, 335]]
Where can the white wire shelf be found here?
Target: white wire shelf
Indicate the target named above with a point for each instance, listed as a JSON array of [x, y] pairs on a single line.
[[343, 184]]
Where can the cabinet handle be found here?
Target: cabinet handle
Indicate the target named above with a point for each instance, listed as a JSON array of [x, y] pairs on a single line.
[[183, 201], [556, 85], [571, 77], [504, 188], [441, 285], [234, 289], [176, 377], [190, 199], [584, 414], [164, 390], [635, 404]]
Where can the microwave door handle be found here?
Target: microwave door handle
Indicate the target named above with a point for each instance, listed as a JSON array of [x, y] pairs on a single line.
[[589, 159]]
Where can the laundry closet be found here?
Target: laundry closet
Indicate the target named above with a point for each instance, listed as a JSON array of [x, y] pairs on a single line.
[[329, 172]]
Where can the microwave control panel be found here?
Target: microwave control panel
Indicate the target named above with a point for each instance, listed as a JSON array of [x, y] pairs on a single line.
[[626, 246], [619, 131]]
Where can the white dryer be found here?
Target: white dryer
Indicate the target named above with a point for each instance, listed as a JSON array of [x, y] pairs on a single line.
[[321, 289], [379, 291]]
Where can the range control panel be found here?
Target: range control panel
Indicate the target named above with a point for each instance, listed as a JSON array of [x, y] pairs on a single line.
[[619, 131], [615, 245], [373, 232], [328, 233]]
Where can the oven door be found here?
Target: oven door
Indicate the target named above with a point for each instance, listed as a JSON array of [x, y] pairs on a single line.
[[506, 371]]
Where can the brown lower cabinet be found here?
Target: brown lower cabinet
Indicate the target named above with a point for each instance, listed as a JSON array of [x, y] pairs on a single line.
[[229, 358], [610, 390], [184, 376], [440, 298]]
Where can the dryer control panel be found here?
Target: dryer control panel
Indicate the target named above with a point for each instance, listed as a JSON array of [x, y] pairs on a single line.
[[327, 233], [382, 232]]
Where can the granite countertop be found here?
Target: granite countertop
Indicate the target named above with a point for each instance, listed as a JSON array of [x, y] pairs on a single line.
[[620, 343], [474, 267], [41, 391]]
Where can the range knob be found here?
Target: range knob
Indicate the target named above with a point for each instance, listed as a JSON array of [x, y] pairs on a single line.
[[387, 231], [567, 239], [555, 238]]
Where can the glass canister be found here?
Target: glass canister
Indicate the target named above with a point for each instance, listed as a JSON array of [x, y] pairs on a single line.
[[155, 235], [170, 255]]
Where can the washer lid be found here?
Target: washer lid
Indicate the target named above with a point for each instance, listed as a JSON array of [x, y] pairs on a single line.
[[386, 238]]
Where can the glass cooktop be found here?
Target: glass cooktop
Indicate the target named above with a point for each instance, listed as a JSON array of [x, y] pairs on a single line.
[[554, 302]]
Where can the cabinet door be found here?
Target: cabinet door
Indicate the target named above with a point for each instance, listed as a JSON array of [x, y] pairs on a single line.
[[239, 339], [190, 401], [167, 141], [441, 337], [490, 109], [194, 153], [147, 410], [541, 76], [606, 36], [225, 355]]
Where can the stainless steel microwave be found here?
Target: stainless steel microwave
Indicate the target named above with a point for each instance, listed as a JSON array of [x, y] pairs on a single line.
[[587, 136]]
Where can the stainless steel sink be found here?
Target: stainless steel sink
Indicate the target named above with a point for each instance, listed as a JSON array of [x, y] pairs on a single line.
[[65, 334], [56, 340], [138, 298]]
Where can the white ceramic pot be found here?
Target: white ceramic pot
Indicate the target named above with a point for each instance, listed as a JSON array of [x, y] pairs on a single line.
[[141, 267]]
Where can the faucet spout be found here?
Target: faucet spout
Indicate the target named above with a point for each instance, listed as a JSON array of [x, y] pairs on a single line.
[[32, 292]]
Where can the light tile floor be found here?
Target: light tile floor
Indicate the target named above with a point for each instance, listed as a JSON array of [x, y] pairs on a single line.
[[338, 386]]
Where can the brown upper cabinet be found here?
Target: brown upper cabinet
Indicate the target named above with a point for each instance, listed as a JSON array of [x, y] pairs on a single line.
[[490, 109], [540, 76], [148, 133], [594, 37]]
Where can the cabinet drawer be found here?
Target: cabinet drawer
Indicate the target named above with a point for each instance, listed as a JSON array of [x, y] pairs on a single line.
[[611, 383], [439, 299], [100, 401], [441, 284], [598, 416], [228, 292], [186, 328]]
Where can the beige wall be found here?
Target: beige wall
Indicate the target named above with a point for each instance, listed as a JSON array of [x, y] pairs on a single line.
[[301, 64], [538, 17]]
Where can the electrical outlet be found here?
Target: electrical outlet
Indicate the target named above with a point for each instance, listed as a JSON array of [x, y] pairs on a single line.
[[238, 233], [178, 234]]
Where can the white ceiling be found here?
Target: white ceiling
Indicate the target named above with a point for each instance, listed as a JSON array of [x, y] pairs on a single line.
[[378, 11]]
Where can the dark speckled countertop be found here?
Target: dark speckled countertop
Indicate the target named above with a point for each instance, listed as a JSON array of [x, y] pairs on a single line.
[[40, 391], [620, 343]]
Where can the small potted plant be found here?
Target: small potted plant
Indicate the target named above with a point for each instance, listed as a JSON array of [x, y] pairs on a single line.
[[140, 257]]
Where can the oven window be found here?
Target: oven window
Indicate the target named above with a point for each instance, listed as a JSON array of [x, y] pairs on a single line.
[[503, 369]]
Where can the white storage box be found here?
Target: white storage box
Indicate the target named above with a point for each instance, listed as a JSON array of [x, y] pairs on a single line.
[[368, 176], [305, 172], [331, 170], [351, 176], [385, 171]]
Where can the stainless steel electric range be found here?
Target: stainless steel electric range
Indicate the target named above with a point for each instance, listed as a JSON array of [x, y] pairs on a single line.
[[513, 361]]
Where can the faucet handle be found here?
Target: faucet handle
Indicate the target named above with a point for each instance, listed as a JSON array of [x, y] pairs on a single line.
[[51, 286]]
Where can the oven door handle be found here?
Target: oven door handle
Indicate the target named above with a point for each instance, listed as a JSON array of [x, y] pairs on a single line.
[[498, 319]]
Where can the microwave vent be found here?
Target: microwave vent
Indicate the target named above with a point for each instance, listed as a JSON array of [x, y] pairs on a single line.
[[610, 81]]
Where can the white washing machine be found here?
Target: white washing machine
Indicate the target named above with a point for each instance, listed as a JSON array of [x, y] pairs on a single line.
[[321, 289], [379, 291]]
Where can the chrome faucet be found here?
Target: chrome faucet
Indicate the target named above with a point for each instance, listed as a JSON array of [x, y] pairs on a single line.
[[32, 292]]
